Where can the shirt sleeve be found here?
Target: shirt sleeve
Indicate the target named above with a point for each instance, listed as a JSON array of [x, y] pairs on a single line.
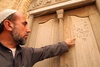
[[42, 53]]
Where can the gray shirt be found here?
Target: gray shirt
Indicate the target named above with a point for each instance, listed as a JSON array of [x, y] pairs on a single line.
[[27, 57]]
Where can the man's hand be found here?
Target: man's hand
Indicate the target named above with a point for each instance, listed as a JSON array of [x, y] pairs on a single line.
[[70, 42]]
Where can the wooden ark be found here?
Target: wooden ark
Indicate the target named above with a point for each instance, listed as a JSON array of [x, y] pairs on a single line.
[[52, 21]]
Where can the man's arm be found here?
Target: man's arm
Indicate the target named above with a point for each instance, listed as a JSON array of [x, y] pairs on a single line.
[[51, 50]]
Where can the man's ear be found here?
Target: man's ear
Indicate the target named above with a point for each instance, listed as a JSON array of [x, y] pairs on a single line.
[[8, 25]]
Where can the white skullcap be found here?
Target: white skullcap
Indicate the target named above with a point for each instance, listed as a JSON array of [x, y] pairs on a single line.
[[4, 14]]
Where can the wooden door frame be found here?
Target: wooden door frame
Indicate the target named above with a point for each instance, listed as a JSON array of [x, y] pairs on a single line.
[[64, 5]]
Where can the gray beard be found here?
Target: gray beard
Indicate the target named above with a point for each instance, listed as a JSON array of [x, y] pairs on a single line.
[[17, 38]]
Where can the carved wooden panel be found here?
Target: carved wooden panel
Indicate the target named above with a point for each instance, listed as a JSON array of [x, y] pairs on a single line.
[[85, 53], [45, 32], [80, 27]]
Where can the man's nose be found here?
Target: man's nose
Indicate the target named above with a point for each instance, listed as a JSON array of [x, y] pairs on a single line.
[[28, 30]]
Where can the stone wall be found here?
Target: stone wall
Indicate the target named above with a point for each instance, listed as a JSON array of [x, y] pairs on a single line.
[[4, 4], [20, 5]]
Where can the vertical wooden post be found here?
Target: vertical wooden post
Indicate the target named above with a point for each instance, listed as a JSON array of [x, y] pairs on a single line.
[[60, 18], [61, 27]]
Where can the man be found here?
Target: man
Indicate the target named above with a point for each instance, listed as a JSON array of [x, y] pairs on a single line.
[[13, 33]]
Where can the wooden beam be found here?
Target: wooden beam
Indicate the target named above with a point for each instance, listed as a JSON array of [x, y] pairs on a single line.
[[64, 5]]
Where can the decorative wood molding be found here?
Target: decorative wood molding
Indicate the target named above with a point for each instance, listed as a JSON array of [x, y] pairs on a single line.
[[65, 5], [36, 4]]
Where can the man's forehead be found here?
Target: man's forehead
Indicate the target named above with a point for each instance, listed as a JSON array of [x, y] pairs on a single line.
[[20, 18], [4, 14], [19, 15]]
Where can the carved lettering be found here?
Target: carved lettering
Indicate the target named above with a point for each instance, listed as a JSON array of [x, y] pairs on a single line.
[[80, 27]]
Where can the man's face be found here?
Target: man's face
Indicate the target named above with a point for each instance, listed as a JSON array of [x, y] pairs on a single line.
[[20, 31]]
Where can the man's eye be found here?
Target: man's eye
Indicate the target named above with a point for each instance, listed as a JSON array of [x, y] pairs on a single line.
[[25, 23]]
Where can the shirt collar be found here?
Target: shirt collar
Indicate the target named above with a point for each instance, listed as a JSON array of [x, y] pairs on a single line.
[[18, 49]]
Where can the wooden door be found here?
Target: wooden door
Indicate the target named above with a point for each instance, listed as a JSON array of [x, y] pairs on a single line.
[[45, 32], [80, 23]]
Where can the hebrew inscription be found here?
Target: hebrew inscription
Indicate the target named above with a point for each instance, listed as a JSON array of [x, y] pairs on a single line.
[[80, 27]]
